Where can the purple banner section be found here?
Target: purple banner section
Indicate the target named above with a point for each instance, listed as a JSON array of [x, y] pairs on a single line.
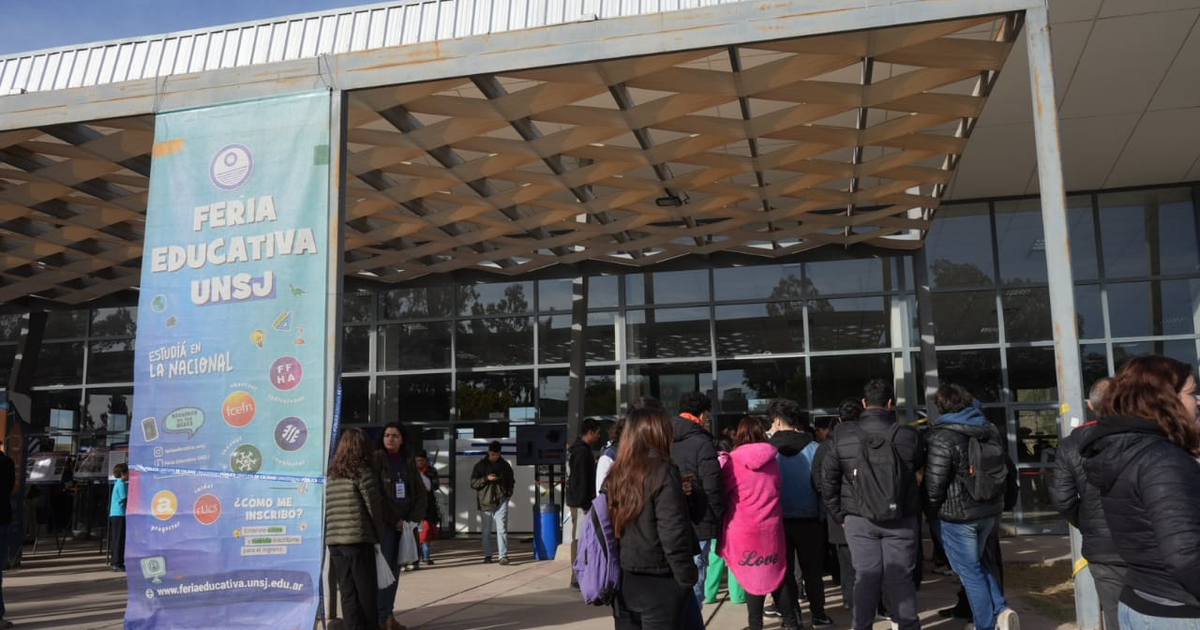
[[220, 552]]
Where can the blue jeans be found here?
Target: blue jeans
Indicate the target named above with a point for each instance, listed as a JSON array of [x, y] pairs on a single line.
[[424, 549], [1134, 620], [385, 599], [701, 560], [964, 544], [498, 518]]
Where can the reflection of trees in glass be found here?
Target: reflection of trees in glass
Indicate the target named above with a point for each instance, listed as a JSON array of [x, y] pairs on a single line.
[[115, 322], [10, 327], [776, 379], [1026, 310], [795, 289], [599, 395], [421, 302], [495, 392], [976, 370]]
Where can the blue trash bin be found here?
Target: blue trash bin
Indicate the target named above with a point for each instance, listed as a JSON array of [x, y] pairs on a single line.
[[545, 531]]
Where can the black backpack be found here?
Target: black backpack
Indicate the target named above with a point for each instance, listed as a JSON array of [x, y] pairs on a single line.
[[987, 471], [880, 476]]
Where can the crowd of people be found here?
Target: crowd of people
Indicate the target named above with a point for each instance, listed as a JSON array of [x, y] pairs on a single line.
[[777, 493]]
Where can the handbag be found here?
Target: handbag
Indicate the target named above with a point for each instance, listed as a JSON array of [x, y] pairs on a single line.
[[408, 544], [383, 573]]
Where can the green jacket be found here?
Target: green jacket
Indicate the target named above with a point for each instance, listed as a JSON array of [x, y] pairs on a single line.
[[489, 495], [415, 488], [353, 510]]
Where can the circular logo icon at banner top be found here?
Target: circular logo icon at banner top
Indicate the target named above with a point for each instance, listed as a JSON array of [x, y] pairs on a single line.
[[238, 409], [291, 434], [207, 509], [231, 167], [286, 373], [163, 505]]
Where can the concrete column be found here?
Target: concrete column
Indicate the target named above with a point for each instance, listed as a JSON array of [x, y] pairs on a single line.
[[1058, 267], [928, 339]]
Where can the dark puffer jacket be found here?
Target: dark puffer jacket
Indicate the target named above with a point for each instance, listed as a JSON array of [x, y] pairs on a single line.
[[838, 467], [947, 463], [1150, 489], [695, 454], [836, 535], [1079, 501], [660, 541]]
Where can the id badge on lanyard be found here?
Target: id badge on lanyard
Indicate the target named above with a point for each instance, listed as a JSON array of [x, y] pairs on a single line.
[[400, 492]]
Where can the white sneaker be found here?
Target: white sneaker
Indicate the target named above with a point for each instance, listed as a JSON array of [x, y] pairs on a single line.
[[1007, 620], [970, 626]]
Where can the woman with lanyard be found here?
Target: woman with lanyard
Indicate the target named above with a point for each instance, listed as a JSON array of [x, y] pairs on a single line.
[[404, 500]]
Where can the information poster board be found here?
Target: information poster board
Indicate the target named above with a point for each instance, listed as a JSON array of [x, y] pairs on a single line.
[[230, 418]]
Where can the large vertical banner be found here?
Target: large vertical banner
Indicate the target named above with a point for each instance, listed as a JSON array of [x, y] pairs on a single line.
[[228, 436]]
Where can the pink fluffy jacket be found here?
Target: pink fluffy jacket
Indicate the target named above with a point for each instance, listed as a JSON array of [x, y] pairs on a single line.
[[753, 543]]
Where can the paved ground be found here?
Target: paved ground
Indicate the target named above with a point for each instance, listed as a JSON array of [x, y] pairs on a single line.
[[75, 591]]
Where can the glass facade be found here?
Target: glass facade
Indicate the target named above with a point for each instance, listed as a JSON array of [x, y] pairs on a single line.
[[486, 357]]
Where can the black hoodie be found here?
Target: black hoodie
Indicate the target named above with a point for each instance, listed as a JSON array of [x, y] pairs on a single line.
[[1150, 490]]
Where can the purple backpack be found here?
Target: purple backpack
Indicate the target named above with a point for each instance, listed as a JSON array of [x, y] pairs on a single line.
[[598, 559]]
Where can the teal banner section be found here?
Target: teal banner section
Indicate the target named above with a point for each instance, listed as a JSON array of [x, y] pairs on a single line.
[[227, 442]]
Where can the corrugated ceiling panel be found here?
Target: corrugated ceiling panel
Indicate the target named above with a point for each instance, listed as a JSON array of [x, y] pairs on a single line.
[[304, 36]]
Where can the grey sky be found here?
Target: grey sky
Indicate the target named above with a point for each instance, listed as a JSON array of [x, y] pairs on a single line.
[[27, 25]]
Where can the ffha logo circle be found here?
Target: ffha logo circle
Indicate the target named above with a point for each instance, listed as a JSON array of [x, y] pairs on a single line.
[[231, 167]]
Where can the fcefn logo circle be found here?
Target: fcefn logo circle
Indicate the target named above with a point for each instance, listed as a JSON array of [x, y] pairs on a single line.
[[231, 167]]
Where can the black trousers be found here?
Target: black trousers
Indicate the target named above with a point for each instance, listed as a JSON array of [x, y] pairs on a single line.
[[846, 566], [805, 539], [354, 568], [116, 541], [782, 595], [650, 602], [883, 556]]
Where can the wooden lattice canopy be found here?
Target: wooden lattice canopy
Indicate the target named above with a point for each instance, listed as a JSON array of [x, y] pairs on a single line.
[[767, 149]]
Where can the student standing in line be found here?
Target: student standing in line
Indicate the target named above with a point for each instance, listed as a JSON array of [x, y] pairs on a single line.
[[965, 480], [803, 528], [649, 513], [353, 522], [581, 480], [1079, 502], [848, 411], [695, 453], [884, 551], [753, 538], [1142, 457]]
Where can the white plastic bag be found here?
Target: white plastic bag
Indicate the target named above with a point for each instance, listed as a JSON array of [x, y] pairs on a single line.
[[408, 544], [383, 573]]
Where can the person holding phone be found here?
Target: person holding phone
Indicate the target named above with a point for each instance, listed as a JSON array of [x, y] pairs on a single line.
[[492, 480]]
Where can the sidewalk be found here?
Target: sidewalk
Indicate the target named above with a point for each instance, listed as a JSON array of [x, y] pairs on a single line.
[[76, 591]]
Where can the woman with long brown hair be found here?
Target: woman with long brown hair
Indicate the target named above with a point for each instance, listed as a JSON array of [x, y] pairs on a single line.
[[353, 522], [649, 514], [1142, 458]]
